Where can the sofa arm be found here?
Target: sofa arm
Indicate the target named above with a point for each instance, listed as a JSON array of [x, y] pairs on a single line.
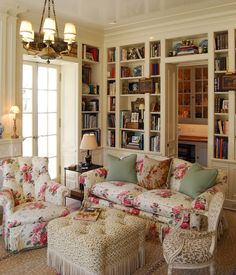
[[202, 201], [56, 193], [88, 179], [7, 200]]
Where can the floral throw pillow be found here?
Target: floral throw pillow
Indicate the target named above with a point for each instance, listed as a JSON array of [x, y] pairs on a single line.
[[154, 173]]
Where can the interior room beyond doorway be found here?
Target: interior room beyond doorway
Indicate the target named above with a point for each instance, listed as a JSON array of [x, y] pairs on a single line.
[[193, 113]]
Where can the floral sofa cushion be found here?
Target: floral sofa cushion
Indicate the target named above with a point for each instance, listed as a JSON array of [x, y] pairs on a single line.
[[117, 191], [164, 202], [154, 173], [32, 212]]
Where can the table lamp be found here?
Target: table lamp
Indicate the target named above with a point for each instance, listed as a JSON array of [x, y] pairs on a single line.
[[141, 121], [14, 110], [88, 142]]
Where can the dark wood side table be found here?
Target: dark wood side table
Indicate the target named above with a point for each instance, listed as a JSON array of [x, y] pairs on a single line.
[[78, 193]]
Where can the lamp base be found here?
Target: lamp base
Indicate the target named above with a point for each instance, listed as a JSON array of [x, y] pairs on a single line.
[[14, 136], [88, 160]]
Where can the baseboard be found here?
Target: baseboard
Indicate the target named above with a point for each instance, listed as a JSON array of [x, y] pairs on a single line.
[[230, 204]]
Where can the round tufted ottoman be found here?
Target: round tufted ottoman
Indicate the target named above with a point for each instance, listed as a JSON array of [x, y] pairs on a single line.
[[113, 245]]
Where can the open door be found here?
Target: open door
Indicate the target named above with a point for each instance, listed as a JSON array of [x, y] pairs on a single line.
[[171, 137]]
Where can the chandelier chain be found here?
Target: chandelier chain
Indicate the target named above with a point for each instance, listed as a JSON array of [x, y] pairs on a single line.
[[49, 8], [42, 17], [54, 13]]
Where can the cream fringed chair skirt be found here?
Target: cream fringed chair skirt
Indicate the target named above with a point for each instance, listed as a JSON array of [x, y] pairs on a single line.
[[114, 244]]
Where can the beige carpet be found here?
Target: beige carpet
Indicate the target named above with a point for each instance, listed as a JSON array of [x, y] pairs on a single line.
[[34, 261]]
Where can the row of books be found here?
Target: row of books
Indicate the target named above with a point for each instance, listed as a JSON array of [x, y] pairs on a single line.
[[221, 63], [155, 49], [155, 69], [125, 117], [132, 140], [111, 73], [126, 71], [132, 53], [155, 122], [219, 104], [91, 106], [221, 148], [111, 104], [222, 127], [184, 50], [96, 132], [221, 41], [155, 143], [111, 120], [111, 138], [90, 121], [90, 53], [111, 55], [111, 88]]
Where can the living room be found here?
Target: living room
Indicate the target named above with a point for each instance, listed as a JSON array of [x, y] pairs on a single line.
[[150, 78]]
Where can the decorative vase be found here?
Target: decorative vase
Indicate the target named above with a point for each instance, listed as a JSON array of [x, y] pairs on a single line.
[[1, 130]]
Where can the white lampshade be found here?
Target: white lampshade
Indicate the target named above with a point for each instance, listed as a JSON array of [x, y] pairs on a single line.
[[88, 142], [141, 106], [69, 33], [48, 37], [14, 110], [49, 25], [26, 31]]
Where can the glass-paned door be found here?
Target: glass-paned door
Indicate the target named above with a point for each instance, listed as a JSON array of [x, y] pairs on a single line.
[[40, 113]]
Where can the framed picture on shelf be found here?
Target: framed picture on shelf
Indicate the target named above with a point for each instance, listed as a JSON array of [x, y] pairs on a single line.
[[89, 56], [228, 82], [134, 87], [225, 105]]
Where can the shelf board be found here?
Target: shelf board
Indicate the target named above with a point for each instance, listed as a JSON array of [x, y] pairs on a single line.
[[88, 61], [220, 72], [155, 113], [111, 95], [131, 77], [88, 129], [187, 58], [111, 128], [221, 51], [90, 112], [155, 75], [221, 114], [111, 112], [221, 93], [111, 78], [132, 130], [92, 95], [155, 131], [155, 58], [159, 94], [139, 95], [132, 60], [111, 63], [221, 135]]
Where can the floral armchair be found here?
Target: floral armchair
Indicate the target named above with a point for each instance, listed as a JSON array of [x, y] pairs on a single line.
[[30, 200]]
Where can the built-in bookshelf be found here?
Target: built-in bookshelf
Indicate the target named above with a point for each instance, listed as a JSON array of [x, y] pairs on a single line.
[[111, 97], [90, 98], [221, 98]]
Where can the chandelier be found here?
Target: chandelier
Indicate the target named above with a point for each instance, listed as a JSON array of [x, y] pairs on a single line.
[[47, 43]]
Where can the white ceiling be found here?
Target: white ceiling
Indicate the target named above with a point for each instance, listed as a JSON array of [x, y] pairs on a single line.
[[100, 13]]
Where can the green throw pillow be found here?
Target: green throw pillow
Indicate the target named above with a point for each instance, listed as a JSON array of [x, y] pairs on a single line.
[[122, 169], [197, 180]]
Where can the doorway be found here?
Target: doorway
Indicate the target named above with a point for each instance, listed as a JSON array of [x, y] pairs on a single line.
[[192, 98], [40, 112]]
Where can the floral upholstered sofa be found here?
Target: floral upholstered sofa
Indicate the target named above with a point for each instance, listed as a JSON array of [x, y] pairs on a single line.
[[30, 200], [162, 205]]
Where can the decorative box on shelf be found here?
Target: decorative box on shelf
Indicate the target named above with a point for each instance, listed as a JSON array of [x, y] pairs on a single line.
[[132, 125], [146, 85]]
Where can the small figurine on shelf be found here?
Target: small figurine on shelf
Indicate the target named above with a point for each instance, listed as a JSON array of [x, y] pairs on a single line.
[[1, 130]]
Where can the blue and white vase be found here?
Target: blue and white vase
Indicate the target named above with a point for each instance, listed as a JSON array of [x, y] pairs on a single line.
[[1, 130]]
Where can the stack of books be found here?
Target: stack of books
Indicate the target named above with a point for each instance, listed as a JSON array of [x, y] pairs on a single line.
[[87, 214]]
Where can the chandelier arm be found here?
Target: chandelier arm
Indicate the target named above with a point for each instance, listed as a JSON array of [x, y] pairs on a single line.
[[54, 13], [42, 17], [49, 8]]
